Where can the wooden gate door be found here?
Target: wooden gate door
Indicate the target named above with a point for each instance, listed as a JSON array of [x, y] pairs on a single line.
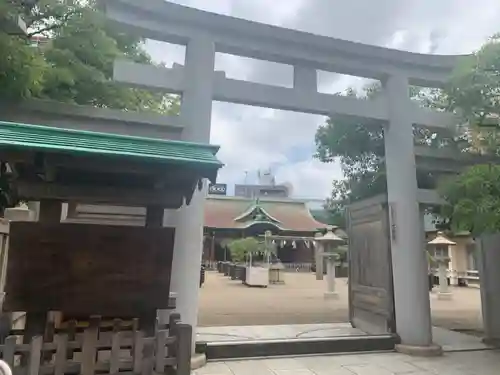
[[371, 296]]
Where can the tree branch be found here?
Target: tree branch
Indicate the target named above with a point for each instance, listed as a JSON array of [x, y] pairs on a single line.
[[60, 22]]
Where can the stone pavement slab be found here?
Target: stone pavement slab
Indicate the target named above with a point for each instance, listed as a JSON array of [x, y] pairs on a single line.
[[456, 341], [269, 332], [485, 362]]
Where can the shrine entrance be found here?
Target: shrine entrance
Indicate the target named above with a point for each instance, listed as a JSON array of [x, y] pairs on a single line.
[[388, 291], [206, 34]]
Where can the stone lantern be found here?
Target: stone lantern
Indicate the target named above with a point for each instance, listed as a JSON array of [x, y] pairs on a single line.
[[318, 256], [441, 245], [329, 244]]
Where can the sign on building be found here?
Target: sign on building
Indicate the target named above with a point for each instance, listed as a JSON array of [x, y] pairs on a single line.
[[217, 189]]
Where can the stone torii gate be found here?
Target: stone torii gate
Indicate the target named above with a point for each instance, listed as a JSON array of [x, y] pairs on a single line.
[[205, 33]]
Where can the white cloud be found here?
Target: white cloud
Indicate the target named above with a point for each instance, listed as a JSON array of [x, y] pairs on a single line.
[[252, 138]]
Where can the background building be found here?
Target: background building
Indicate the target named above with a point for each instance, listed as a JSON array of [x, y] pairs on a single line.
[[266, 187]]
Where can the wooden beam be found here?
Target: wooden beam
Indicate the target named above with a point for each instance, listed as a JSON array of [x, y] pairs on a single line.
[[101, 194], [154, 216], [99, 164], [50, 211], [17, 156]]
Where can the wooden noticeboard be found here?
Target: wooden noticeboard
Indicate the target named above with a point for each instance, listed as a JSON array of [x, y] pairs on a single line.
[[88, 269]]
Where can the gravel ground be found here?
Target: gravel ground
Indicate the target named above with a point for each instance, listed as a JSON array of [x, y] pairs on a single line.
[[300, 301]]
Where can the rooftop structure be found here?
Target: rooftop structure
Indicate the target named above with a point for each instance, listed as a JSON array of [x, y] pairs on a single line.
[[287, 215]]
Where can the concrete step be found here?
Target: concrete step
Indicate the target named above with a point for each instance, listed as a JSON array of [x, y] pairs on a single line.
[[287, 347]]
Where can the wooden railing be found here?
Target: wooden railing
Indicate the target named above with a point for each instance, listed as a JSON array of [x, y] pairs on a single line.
[[121, 350], [471, 276]]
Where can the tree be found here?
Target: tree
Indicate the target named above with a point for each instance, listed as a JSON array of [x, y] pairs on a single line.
[[335, 205], [474, 87], [472, 199], [239, 249], [359, 146], [474, 92], [76, 65]]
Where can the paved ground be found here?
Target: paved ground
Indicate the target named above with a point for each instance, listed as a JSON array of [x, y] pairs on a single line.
[[300, 301], [464, 363]]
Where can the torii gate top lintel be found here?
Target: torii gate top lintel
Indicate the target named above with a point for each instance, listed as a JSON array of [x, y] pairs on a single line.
[[173, 23]]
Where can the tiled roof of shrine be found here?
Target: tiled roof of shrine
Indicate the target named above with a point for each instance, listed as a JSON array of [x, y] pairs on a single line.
[[240, 213]]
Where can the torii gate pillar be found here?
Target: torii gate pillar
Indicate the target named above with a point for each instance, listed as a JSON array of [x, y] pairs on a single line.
[[409, 264], [196, 109]]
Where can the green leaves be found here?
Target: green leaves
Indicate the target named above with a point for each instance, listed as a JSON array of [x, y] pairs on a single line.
[[474, 87], [359, 146], [473, 199], [21, 69], [76, 66], [241, 248]]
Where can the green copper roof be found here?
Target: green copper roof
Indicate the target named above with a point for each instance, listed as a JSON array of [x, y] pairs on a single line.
[[50, 139]]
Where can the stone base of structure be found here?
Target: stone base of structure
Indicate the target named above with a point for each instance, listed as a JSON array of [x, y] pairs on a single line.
[[331, 295], [493, 342], [420, 351], [447, 296], [198, 360]]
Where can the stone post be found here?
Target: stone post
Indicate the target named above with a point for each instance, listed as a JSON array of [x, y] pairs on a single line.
[[331, 263], [318, 258], [444, 291]]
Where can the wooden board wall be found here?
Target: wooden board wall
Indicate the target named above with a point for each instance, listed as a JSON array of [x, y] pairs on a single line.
[[88, 269]]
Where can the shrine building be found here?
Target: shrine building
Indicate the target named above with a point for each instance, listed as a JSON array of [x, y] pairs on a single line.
[[227, 218]]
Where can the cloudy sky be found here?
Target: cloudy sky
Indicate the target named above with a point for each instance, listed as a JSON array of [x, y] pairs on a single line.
[[256, 138]]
